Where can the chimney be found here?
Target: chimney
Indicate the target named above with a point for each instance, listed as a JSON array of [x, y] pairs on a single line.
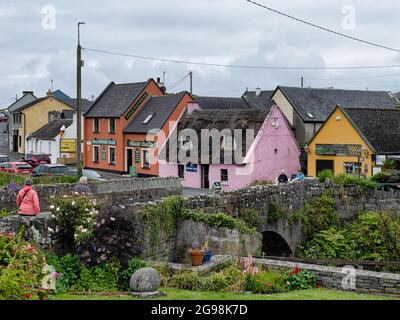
[[192, 106], [54, 115], [49, 93], [26, 92], [258, 91]]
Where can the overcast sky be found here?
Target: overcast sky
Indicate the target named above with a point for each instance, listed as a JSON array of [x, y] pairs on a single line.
[[38, 46]]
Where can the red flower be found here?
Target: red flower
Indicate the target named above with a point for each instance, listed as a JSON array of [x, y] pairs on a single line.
[[270, 284], [318, 286], [296, 270], [27, 296]]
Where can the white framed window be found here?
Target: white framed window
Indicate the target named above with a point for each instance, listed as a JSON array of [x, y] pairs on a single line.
[[352, 167], [96, 125], [148, 118], [96, 154], [111, 125], [111, 155], [145, 159]]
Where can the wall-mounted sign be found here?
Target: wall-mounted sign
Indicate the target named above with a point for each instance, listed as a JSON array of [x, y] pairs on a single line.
[[104, 141], [103, 153], [339, 149], [217, 185], [68, 145], [191, 167], [141, 144], [137, 155], [133, 171], [136, 105]]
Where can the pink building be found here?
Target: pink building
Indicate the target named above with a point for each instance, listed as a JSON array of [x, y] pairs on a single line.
[[272, 148]]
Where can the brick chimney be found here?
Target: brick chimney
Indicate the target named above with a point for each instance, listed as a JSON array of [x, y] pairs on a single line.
[[49, 93]]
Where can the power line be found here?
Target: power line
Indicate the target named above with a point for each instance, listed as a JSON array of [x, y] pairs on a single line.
[[236, 66], [175, 84], [323, 28], [356, 78]]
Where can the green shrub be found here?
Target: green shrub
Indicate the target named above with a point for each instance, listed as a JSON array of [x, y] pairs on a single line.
[[3, 213], [388, 176], [126, 273], [325, 174], [364, 182], [251, 217], [100, 278], [317, 215], [388, 164], [276, 212], [300, 279], [69, 267], [7, 178], [266, 282]]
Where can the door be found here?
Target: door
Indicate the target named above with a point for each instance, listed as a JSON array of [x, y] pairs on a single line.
[[129, 159], [325, 164], [205, 180], [15, 143]]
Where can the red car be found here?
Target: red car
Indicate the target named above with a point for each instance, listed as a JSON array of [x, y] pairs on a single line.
[[16, 167], [34, 159]]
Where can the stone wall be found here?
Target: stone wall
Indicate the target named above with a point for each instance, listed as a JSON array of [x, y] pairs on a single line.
[[128, 190], [340, 278]]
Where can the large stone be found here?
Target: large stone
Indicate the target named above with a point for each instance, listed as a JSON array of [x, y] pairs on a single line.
[[145, 280]]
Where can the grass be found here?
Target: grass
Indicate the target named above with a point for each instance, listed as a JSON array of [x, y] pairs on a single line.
[[174, 294], [19, 179]]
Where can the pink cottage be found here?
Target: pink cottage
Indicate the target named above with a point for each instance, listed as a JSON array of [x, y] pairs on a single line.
[[225, 158]]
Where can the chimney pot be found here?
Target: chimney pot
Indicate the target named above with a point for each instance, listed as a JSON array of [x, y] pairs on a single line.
[[258, 91]]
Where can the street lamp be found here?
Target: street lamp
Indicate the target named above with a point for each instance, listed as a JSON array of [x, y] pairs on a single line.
[[79, 64]]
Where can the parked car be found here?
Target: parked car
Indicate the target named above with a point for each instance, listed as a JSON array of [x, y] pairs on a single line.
[[16, 167], [4, 158], [3, 117], [34, 159], [90, 174], [49, 170]]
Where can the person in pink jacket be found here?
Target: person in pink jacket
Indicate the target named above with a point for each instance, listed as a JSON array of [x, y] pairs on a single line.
[[27, 200]]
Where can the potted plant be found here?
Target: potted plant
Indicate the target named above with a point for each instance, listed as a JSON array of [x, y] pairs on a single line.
[[196, 254], [207, 252]]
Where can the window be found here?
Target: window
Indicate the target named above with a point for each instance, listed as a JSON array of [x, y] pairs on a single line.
[[111, 125], [111, 155], [96, 154], [352, 168], [96, 125], [224, 175], [145, 159], [148, 118], [181, 171]]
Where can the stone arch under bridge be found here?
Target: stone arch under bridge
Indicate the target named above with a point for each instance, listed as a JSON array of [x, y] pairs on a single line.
[[273, 244]]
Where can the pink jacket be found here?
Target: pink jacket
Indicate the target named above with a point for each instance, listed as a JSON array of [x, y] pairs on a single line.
[[28, 201]]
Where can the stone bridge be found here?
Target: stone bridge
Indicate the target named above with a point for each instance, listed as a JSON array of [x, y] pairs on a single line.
[[278, 237]]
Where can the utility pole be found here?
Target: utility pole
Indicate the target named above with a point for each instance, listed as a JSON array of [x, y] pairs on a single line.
[[191, 81], [79, 64], [302, 82]]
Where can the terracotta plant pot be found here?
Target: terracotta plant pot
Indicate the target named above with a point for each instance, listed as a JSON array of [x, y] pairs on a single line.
[[196, 257]]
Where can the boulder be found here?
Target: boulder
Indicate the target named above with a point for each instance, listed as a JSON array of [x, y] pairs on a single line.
[[145, 280]]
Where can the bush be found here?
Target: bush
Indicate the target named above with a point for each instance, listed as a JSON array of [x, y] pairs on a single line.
[[21, 266], [388, 176], [265, 282], [317, 215], [363, 182], [69, 269], [300, 279], [325, 174], [8, 178], [276, 212], [251, 217], [75, 215]]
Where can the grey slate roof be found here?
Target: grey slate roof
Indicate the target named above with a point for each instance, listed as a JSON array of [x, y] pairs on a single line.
[[380, 127], [115, 99], [25, 99], [161, 107], [207, 103], [51, 130], [315, 105], [85, 103], [259, 101]]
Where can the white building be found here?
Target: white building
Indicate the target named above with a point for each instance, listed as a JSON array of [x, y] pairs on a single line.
[[57, 138]]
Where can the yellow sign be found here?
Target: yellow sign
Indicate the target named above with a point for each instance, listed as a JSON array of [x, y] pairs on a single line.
[[68, 145]]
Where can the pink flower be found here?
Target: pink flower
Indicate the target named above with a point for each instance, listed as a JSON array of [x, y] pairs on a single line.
[[54, 274], [11, 234]]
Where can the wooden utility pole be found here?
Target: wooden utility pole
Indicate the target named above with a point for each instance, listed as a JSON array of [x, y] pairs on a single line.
[[79, 64], [191, 81]]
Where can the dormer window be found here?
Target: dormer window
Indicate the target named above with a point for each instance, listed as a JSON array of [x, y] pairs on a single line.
[[148, 118]]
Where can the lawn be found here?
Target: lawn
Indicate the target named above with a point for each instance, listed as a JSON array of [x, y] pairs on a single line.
[[174, 294]]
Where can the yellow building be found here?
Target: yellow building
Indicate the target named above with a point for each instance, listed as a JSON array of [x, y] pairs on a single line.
[[355, 141], [32, 116]]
